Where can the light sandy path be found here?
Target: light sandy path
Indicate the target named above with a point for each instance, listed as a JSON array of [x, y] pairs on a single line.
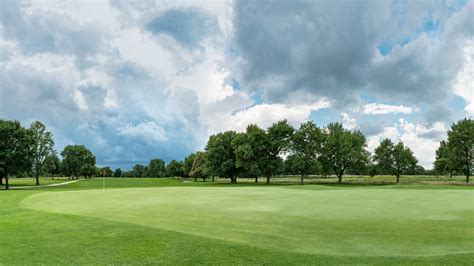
[[50, 185]]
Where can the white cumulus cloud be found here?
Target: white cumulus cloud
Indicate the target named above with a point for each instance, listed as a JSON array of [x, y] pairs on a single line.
[[381, 109]]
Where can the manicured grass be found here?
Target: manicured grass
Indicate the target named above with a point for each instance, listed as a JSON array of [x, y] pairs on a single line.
[[28, 181], [174, 222]]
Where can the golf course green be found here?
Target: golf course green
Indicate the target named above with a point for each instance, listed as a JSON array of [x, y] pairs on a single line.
[[271, 224]]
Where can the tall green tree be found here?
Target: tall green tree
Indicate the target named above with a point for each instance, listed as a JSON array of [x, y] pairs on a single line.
[[88, 168], [106, 171], [188, 163], [220, 156], [156, 168], [461, 145], [251, 152], [2, 173], [175, 169], [199, 167], [43, 146], [77, 160], [299, 164], [445, 162], [383, 157], [342, 148], [306, 146], [53, 165], [118, 172], [278, 143], [138, 170], [403, 160], [15, 149]]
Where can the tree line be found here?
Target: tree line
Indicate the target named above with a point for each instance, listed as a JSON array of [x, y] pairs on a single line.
[[332, 150], [280, 149]]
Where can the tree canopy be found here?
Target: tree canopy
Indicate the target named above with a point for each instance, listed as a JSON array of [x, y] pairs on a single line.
[[78, 160], [461, 146], [15, 149], [43, 146], [220, 155], [342, 148]]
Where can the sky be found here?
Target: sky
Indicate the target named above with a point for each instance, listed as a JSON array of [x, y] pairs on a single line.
[[136, 80]]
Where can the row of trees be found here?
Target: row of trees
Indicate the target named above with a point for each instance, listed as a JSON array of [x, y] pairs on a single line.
[[277, 150], [282, 149], [155, 168], [30, 151]]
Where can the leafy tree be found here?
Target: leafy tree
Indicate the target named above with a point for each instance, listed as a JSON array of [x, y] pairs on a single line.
[[106, 171], [199, 167], [325, 165], [175, 168], [419, 170], [43, 146], [278, 142], [138, 170], [403, 160], [53, 165], [156, 168], [220, 156], [15, 149], [444, 162], [188, 163], [127, 174], [383, 157], [371, 168], [342, 148], [461, 145], [77, 160], [361, 165], [251, 152], [118, 172], [2, 173], [307, 148], [88, 170], [299, 164]]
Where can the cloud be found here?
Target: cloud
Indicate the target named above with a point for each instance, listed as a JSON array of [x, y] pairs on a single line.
[[264, 115], [380, 109], [188, 27], [139, 80], [348, 122], [464, 83], [422, 139], [147, 130], [328, 50]]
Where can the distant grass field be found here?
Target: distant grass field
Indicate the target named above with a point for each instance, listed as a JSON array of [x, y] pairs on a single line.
[[170, 221]]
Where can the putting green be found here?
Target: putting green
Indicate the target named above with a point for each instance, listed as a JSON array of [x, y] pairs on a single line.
[[357, 221]]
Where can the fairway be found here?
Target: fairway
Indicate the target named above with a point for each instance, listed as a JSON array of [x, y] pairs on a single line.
[[333, 221]]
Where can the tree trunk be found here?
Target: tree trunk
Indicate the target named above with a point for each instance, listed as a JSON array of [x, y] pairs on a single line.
[[268, 180], [37, 180], [256, 179], [203, 179], [302, 179], [212, 178], [195, 179], [1, 180], [339, 178], [450, 173], [467, 178], [7, 186], [398, 179]]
